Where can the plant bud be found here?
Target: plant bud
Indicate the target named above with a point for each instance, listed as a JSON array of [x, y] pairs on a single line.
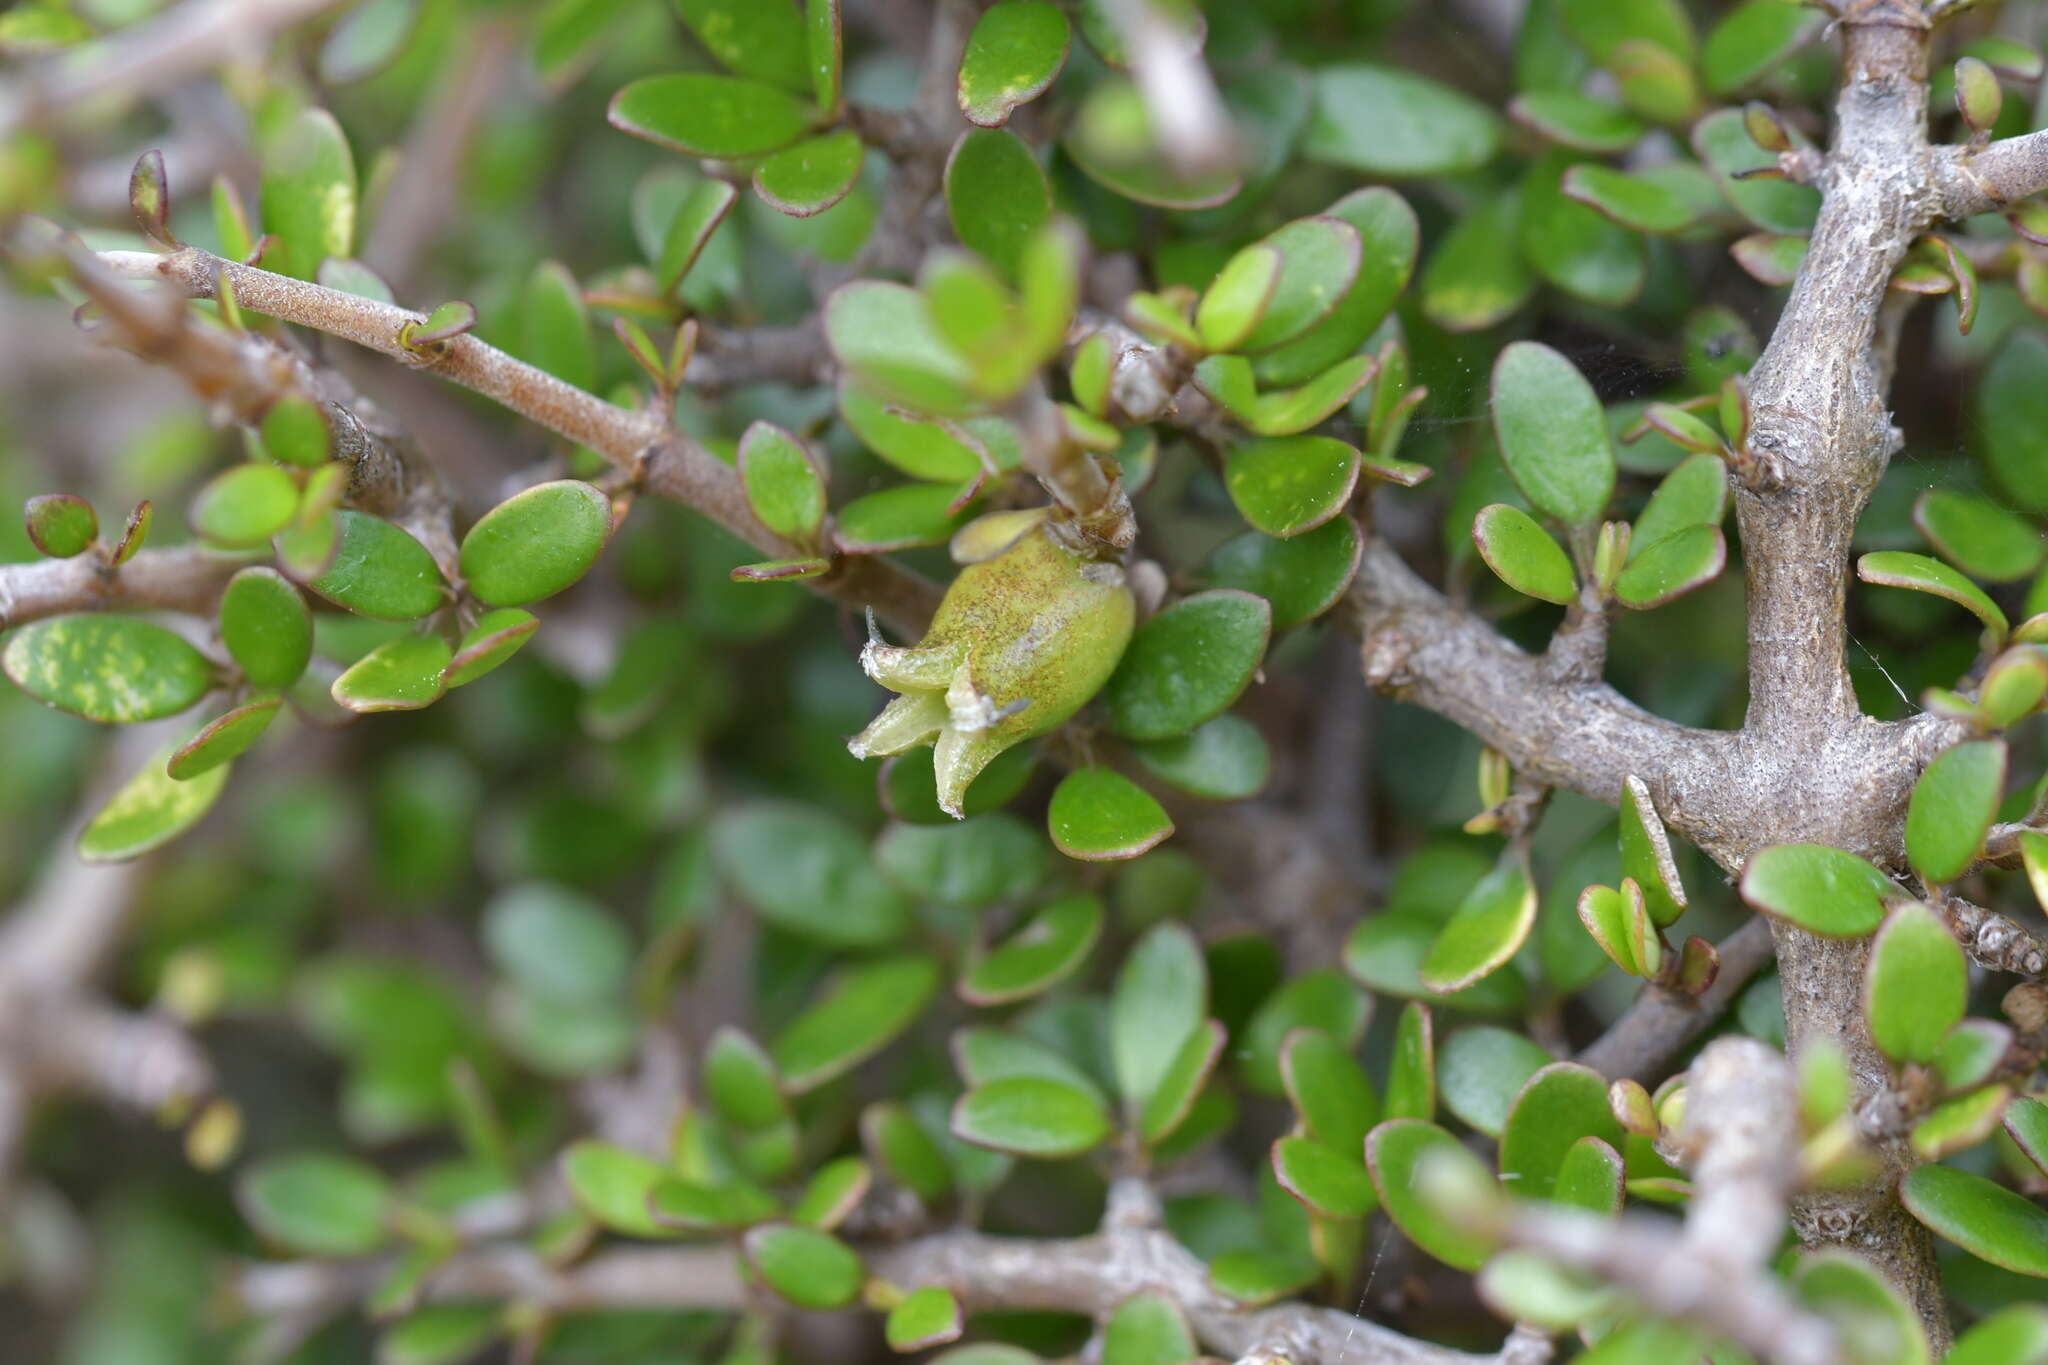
[[1766, 130], [1029, 630], [1978, 95]]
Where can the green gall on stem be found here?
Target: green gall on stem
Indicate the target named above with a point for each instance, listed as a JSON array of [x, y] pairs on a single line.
[[1030, 629]]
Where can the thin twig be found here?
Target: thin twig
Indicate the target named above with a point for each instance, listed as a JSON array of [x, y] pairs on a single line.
[[668, 463]]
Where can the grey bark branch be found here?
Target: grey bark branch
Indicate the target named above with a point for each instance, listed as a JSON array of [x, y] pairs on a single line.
[[1090, 1275], [669, 463], [187, 579], [1740, 1141]]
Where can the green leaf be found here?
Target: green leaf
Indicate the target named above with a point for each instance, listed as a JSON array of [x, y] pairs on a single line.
[[825, 48], [494, 639], [1822, 890], [1877, 1326], [222, 739], [1618, 921], [1050, 947], [897, 1143], [2017, 1335], [1031, 1116], [807, 178], [1575, 247], [764, 41], [1258, 1276], [1978, 536], [556, 942], [976, 863], [984, 1055], [1222, 759], [1015, 50], [1631, 201], [883, 334], [809, 1268], [1694, 493], [441, 1334], [1329, 1183], [1553, 435], [554, 326], [710, 116], [926, 1317], [1480, 1071], [245, 506], [309, 194], [1954, 802], [1329, 1090], [684, 209], [1319, 262], [61, 525], [1600, 26], [833, 1193], [1961, 1122], [1903, 569], [380, 571], [1389, 236], [1161, 996], [316, 1203], [296, 432], [2012, 419], [1097, 814], [784, 485], [399, 675], [1188, 663], [1560, 1104], [149, 811], [899, 518], [1236, 300], [536, 543], [1147, 1329], [1301, 578], [1182, 1083], [2026, 1123], [1751, 40], [1646, 854], [1411, 1072], [806, 872], [1290, 484], [1393, 1155], [1673, 567], [1386, 952], [868, 1006], [1523, 555], [1721, 140], [1917, 986], [1488, 927], [111, 669], [1471, 283], [1322, 1000], [1577, 121], [1987, 1220], [740, 1081], [996, 193], [1590, 1177], [1971, 1053], [1770, 259], [1395, 124]]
